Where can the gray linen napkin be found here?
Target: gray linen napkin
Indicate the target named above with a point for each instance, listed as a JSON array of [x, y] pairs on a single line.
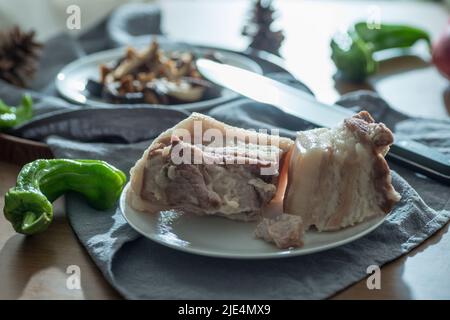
[[142, 269], [139, 268]]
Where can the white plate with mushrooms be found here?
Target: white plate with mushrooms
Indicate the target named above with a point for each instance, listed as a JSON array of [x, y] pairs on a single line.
[[84, 80]]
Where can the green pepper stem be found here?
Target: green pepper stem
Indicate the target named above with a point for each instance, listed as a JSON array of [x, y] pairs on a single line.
[[28, 219]]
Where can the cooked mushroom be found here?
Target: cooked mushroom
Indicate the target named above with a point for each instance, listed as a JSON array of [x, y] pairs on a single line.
[[154, 76], [182, 90], [134, 61]]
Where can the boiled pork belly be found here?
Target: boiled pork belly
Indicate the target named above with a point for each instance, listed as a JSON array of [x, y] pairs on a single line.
[[235, 177], [338, 177], [328, 179], [284, 230]]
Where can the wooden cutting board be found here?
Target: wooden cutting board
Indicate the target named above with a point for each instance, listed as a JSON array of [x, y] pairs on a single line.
[[20, 151]]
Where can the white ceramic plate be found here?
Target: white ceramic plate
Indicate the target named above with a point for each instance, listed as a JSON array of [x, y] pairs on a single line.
[[220, 237], [71, 80]]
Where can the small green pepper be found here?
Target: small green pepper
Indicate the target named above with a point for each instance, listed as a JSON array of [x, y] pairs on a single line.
[[13, 116], [352, 52], [28, 206], [389, 36], [352, 56]]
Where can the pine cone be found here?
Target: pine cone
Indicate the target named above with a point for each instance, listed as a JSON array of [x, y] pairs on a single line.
[[259, 28], [19, 55]]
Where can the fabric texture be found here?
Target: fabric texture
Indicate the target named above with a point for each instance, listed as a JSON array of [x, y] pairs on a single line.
[[141, 269]]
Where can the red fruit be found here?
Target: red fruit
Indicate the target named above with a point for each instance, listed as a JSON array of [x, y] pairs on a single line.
[[441, 53]]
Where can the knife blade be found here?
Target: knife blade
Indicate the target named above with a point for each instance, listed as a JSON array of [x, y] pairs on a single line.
[[416, 156]]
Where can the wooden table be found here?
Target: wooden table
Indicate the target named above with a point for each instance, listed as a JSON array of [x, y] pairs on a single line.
[[35, 267]]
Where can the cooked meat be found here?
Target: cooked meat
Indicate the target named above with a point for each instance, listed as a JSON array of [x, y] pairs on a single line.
[[285, 231], [338, 177], [332, 179], [235, 178], [237, 191]]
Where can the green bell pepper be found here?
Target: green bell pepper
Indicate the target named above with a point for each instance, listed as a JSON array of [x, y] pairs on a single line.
[[13, 116], [28, 206], [352, 51]]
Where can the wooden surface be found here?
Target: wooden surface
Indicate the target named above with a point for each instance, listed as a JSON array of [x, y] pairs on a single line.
[[35, 267]]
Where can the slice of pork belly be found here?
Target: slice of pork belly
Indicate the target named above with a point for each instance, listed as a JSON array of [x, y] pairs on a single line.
[[285, 231], [235, 178], [338, 177]]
